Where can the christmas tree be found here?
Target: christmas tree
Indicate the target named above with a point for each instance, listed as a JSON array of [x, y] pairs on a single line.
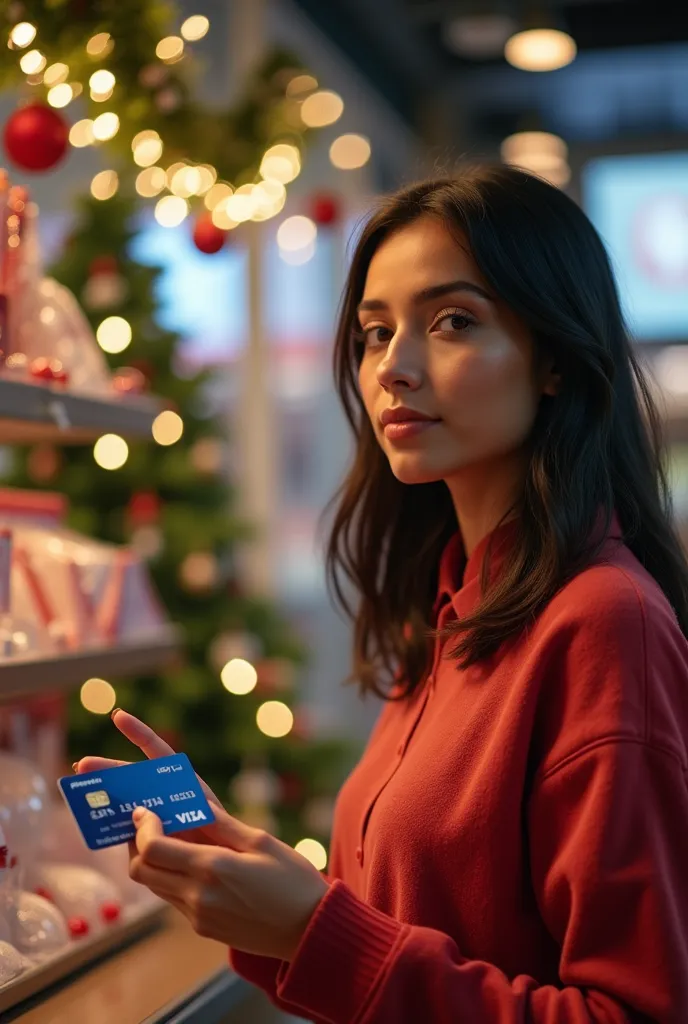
[[172, 502]]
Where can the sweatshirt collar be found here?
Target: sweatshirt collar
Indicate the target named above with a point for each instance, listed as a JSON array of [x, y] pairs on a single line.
[[459, 576]]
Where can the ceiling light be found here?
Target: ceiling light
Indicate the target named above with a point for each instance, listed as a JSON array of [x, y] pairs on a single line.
[[540, 49]]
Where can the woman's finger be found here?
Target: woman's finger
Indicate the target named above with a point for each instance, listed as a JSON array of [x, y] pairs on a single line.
[[97, 764], [141, 735], [152, 745]]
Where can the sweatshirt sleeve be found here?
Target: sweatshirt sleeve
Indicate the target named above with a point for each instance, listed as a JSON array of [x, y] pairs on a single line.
[[609, 848]]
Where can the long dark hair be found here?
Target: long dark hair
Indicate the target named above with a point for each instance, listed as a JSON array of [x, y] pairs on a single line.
[[596, 446]]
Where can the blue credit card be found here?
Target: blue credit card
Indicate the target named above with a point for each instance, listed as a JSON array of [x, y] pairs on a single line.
[[103, 802]]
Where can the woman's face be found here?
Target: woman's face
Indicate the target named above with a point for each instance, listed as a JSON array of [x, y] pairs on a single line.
[[439, 343]]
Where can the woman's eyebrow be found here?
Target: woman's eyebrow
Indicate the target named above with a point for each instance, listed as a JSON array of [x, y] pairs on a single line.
[[433, 292]]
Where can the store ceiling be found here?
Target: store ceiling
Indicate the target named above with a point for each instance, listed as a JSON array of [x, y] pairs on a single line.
[[399, 45]]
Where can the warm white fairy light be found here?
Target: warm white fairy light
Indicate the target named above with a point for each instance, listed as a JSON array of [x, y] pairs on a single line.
[[170, 49], [220, 217], [150, 182], [114, 334], [170, 211], [81, 133], [349, 152], [321, 108], [242, 205], [101, 84], [185, 182], [217, 194], [172, 170], [60, 95], [269, 197], [98, 696], [301, 85], [313, 851], [274, 719], [239, 676], [105, 126], [208, 177], [23, 34], [281, 163], [100, 45], [195, 27], [168, 427], [147, 148], [104, 185], [32, 62], [296, 233], [55, 74], [297, 257], [110, 451]]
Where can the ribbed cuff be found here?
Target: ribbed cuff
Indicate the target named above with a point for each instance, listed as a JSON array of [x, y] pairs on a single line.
[[339, 959]]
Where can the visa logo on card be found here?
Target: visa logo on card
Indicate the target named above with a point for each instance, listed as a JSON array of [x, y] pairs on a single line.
[[103, 802]]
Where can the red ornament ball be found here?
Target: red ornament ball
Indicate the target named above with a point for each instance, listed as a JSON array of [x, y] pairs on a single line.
[[207, 237], [35, 137], [144, 508], [325, 210]]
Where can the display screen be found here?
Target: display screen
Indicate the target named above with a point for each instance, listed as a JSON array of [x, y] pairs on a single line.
[[639, 205]]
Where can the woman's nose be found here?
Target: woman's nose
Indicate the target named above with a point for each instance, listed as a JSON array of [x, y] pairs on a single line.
[[401, 365]]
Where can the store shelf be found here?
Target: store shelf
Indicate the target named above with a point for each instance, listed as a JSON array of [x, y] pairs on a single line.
[[169, 975], [20, 677], [31, 413], [137, 922]]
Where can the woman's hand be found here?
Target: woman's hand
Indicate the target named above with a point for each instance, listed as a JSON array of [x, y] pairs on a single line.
[[236, 884], [253, 892]]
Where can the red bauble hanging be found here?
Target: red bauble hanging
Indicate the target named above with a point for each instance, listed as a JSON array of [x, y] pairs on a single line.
[[35, 137], [143, 508], [325, 210], [207, 237]]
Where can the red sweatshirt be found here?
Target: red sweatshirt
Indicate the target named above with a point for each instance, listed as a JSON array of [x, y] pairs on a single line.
[[512, 847]]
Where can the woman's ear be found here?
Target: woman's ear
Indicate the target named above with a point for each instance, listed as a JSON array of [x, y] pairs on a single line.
[[551, 379]]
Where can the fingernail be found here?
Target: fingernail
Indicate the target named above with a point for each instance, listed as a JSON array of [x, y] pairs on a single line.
[[113, 713], [138, 813], [75, 766]]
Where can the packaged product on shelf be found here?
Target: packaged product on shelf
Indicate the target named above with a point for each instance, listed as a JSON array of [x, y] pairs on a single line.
[[46, 336], [69, 592]]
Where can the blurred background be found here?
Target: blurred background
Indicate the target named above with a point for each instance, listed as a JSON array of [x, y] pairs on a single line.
[[183, 185]]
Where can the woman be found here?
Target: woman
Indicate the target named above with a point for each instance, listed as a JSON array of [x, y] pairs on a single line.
[[513, 845]]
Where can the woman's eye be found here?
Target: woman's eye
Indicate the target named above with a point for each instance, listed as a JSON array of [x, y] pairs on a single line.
[[376, 335], [454, 322]]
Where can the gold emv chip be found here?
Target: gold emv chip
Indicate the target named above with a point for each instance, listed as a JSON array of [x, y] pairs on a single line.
[[98, 798]]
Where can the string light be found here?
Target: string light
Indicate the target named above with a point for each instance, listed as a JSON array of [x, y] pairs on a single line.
[[296, 233], [170, 49], [150, 182], [195, 27], [313, 851], [185, 181], [274, 719], [281, 163], [105, 126], [321, 108], [32, 62], [270, 197], [23, 34], [540, 49], [301, 85], [114, 334], [147, 148], [104, 185], [98, 696], [172, 170], [168, 427], [56, 74], [297, 257], [101, 84], [220, 217], [110, 451], [349, 152], [242, 205], [81, 133], [100, 45], [170, 211], [239, 676], [217, 194], [208, 177], [60, 95]]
